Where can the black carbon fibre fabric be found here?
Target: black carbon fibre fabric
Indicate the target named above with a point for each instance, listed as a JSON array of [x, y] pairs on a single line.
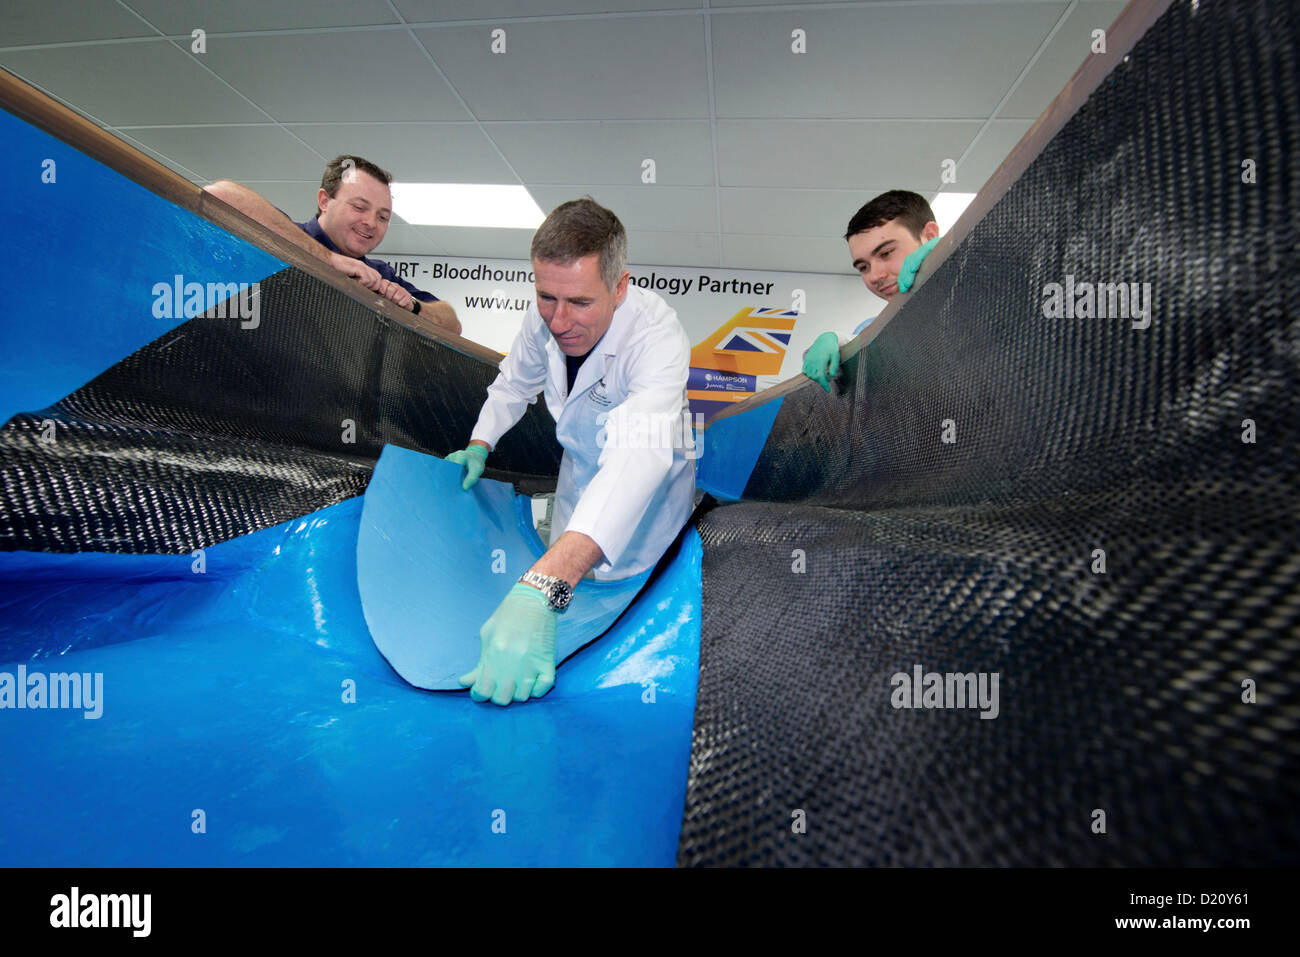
[[214, 430], [1071, 440]]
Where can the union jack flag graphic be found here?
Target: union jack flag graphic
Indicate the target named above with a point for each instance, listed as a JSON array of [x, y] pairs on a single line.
[[752, 342], [725, 367]]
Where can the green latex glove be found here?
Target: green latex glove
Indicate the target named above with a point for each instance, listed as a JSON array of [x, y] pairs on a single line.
[[517, 661], [473, 457], [907, 274], [821, 362]]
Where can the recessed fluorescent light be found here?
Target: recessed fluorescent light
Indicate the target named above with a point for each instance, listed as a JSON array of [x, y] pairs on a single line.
[[466, 204], [948, 208]]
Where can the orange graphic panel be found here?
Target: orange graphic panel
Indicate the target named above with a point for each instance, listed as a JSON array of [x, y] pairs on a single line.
[[752, 342]]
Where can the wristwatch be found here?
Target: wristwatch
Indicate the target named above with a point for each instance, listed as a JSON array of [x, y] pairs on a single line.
[[557, 591]]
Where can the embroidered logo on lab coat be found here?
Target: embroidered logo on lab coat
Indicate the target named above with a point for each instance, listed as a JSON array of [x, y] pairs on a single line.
[[599, 396]]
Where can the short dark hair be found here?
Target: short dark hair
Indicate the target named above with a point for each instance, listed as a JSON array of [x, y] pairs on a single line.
[[907, 207], [339, 165], [579, 228]]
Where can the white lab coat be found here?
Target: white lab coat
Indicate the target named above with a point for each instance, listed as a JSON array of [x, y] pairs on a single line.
[[620, 482]]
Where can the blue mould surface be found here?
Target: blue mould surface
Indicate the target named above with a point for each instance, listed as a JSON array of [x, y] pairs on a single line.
[[93, 247], [223, 692]]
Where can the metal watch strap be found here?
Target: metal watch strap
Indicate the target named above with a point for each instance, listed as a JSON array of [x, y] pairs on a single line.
[[557, 591]]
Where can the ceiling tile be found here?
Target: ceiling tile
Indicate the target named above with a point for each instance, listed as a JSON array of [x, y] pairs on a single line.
[[646, 248], [988, 154], [482, 243], [431, 10], [876, 61], [663, 208], [786, 254], [402, 239], [235, 152], [763, 3], [178, 17], [431, 245], [792, 212], [622, 68], [607, 153], [297, 200], [66, 21], [142, 82], [415, 153], [154, 154], [336, 77], [841, 155], [1065, 54]]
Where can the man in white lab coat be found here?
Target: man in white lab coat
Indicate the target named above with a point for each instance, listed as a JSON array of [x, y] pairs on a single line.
[[613, 361]]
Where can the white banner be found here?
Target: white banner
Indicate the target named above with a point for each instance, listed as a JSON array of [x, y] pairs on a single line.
[[749, 329]]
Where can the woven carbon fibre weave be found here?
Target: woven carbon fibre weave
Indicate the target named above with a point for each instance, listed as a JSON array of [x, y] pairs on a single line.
[[952, 510], [215, 430]]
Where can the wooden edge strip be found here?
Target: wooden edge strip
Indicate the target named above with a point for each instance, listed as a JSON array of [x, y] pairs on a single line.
[[45, 113], [1129, 27]]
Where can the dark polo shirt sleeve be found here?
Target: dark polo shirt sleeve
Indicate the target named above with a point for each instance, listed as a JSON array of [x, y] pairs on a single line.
[[312, 229]]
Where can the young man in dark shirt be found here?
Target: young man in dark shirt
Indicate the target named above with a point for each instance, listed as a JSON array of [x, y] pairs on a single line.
[[353, 208]]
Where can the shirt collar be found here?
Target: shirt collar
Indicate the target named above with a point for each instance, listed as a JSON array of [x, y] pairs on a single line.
[[312, 229]]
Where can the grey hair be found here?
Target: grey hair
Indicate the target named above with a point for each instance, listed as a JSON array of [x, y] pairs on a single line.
[[579, 228]]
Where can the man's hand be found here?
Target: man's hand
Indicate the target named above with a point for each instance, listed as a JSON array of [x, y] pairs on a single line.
[[394, 293], [442, 314], [821, 362], [517, 660], [357, 270], [907, 273], [474, 458]]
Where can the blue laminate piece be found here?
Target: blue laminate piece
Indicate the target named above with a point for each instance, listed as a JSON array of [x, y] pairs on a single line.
[[731, 447], [434, 561]]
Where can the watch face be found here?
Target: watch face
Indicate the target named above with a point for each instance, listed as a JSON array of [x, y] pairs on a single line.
[[561, 595]]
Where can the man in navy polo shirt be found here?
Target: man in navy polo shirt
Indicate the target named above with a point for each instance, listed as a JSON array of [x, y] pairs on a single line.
[[353, 207]]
